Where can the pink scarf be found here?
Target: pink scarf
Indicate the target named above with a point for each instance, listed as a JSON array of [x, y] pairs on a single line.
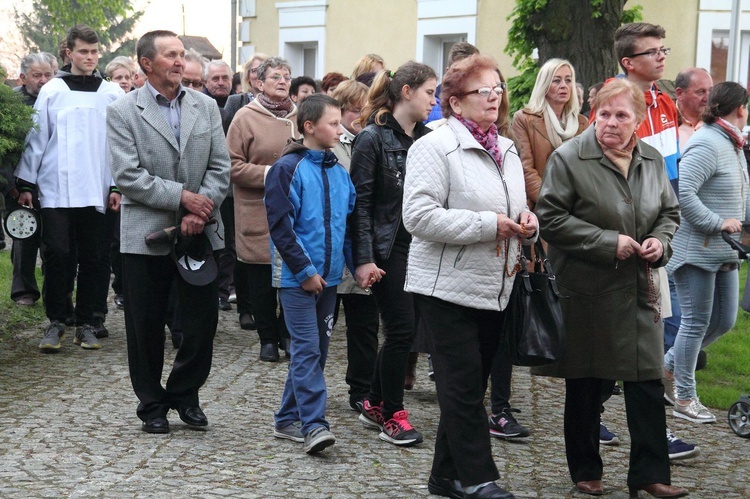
[[487, 139], [734, 133]]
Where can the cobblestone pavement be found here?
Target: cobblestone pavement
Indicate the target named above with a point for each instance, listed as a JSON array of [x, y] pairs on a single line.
[[68, 429]]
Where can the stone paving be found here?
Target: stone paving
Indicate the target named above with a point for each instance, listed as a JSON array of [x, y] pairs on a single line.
[[68, 429]]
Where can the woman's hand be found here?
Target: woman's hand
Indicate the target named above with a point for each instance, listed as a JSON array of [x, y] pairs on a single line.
[[731, 225], [368, 274], [506, 228], [651, 250], [626, 247], [529, 223]]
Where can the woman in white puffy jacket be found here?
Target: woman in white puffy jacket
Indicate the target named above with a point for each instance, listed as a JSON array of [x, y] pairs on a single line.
[[465, 206]]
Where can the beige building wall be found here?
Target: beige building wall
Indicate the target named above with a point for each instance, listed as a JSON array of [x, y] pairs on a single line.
[[264, 28], [356, 28], [389, 29], [492, 32], [680, 20]]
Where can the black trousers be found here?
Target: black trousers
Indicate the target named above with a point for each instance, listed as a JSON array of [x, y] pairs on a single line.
[[362, 323], [146, 285], [65, 233], [115, 257], [465, 342], [111, 224], [252, 282], [644, 404], [23, 256], [500, 378], [396, 308], [227, 256]]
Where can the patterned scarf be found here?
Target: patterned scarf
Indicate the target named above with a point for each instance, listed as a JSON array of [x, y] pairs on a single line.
[[487, 139], [735, 134], [278, 109]]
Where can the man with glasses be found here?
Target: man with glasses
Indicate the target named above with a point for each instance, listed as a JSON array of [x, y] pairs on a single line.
[[195, 67]]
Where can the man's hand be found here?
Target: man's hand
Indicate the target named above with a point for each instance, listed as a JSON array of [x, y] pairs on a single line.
[[314, 284], [114, 201], [192, 225], [25, 199], [197, 204]]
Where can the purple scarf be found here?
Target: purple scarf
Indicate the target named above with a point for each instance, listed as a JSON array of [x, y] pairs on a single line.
[[487, 139]]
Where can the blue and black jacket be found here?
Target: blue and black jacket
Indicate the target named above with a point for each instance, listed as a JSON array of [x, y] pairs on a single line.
[[309, 196]]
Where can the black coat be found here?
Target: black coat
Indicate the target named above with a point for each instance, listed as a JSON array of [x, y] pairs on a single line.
[[378, 167]]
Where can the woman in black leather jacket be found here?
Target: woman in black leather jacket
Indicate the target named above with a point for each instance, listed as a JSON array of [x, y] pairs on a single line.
[[398, 103]]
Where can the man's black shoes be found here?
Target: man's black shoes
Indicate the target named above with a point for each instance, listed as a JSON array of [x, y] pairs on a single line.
[[155, 425], [193, 416]]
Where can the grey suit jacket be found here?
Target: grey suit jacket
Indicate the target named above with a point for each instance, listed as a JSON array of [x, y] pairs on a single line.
[[150, 169]]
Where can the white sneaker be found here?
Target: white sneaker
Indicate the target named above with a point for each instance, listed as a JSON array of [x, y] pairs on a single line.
[[694, 412], [232, 298]]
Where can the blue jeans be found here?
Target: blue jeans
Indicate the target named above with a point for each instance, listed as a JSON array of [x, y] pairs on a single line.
[[709, 309], [672, 324], [309, 319]]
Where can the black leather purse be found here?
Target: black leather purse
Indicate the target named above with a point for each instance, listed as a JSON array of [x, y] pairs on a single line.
[[533, 328]]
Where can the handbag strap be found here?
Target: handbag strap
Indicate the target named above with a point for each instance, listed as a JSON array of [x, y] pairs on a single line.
[[542, 265]]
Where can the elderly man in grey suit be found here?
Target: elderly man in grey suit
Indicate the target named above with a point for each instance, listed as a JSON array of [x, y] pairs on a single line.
[[169, 159]]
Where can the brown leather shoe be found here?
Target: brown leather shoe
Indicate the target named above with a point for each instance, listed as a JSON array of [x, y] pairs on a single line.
[[590, 487], [659, 490]]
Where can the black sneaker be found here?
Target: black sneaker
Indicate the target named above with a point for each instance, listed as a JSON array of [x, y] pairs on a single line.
[[504, 425]]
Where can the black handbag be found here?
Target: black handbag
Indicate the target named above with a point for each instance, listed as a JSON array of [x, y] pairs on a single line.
[[533, 328]]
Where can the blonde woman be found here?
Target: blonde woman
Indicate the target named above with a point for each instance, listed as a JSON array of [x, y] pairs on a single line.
[[551, 118], [370, 63]]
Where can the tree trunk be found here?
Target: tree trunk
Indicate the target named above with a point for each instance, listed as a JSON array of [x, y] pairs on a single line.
[[572, 33]]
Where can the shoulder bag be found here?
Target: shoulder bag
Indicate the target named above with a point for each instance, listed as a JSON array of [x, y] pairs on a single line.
[[533, 328]]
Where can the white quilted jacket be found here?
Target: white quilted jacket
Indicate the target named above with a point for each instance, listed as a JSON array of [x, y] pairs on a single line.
[[452, 193]]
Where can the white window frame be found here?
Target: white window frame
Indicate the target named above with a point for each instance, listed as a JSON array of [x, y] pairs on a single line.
[[716, 20], [440, 21], [302, 24]]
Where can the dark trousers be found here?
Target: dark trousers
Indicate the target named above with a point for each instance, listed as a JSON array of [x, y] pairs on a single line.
[[465, 342], [396, 308], [228, 255], [23, 256], [115, 257], [146, 285], [252, 282], [500, 376], [65, 232], [644, 404], [362, 322], [111, 221]]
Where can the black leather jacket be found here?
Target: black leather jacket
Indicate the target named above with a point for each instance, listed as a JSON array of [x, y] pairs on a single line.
[[378, 166]]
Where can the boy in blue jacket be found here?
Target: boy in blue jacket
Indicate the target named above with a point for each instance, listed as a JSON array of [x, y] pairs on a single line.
[[308, 198]]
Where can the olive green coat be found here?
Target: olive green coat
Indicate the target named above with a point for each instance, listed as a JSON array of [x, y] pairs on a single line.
[[584, 204]]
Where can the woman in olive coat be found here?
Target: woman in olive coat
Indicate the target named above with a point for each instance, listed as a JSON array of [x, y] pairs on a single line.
[[608, 212]]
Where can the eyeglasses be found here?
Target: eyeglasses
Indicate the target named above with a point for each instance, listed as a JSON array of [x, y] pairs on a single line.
[[192, 83], [651, 53], [485, 91], [287, 78]]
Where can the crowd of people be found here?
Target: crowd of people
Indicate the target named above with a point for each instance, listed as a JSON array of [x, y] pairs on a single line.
[[409, 198]]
